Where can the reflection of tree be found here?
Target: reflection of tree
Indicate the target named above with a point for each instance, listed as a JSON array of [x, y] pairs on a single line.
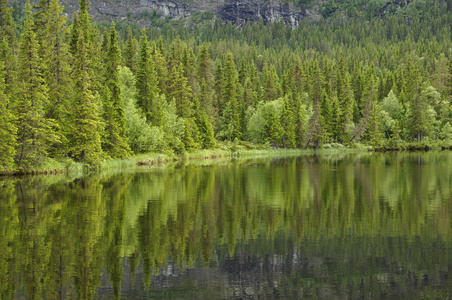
[[9, 230], [354, 225]]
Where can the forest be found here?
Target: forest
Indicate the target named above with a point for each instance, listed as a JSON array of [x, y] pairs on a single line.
[[86, 91]]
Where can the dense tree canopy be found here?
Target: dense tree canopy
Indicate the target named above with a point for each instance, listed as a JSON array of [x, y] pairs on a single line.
[[66, 90]]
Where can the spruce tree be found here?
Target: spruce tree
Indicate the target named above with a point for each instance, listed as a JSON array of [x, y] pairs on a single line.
[[161, 68], [181, 92], [271, 85], [8, 129], [57, 68], [204, 74], [130, 52], [375, 135], [316, 133], [115, 139], [288, 123], [449, 81], [35, 132], [86, 124], [229, 99], [9, 46], [147, 88]]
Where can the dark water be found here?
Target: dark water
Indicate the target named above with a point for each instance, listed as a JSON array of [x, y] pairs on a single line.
[[342, 226]]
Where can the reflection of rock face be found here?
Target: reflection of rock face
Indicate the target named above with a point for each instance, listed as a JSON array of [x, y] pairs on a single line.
[[236, 11]]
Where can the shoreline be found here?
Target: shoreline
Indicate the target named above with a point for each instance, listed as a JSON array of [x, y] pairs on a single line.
[[59, 166], [55, 166]]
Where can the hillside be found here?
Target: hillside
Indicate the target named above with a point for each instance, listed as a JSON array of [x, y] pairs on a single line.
[[238, 12]]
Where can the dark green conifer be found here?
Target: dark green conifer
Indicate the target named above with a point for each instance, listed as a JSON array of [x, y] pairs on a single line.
[[35, 132], [115, 139], [229, 99], [130, 52], [147, 88], [86, 124], [8, 128]]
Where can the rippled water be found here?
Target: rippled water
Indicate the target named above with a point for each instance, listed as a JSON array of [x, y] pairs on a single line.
[[342, 226]]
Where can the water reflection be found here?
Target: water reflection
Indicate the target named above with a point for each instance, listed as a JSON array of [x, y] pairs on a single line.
[[348, 226]]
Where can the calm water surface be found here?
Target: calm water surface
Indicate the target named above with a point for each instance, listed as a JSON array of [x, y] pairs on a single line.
[[340, 226]]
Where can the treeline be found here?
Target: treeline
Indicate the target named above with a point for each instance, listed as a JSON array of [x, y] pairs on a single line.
[[90, 93]]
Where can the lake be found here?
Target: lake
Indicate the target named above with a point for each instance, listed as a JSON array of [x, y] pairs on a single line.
[[343, 226]]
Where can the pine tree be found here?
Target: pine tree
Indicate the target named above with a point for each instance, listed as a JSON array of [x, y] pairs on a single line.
[[325, 111], [288, 123], [9, 46], [395, 140], [35, 133], [146, 79], [374, 132], [273, 129], [8, 129], [7, 24], [115, 139], [181, 92], [229, 99], [130, 52], [449, 80], [160, 68], [336, 120], [86, 124], [57, 68], [419, 115], [272, 88], [347, 103], [205, 77], [316, 133]]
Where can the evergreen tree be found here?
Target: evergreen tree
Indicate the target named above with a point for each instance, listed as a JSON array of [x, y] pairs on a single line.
[[35, 132], [347, 103], [449, 80], [115, 140], [7, 24], [316, 133], [130, 52], [8, 40], [160, 68], [8, 129], [204, 74], [336, 120], [57, 68], [288, 123], [325, 111], [230, 109], [395, 140], [181, 92], [273, 129], [147, 88], [272, 88], [86, 124], [420, 122], [374, 131]]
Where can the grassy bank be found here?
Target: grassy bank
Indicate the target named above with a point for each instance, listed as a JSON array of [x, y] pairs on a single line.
[[225, 150]]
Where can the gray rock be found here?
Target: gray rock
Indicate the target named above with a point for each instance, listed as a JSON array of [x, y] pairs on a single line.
[[235, 11]]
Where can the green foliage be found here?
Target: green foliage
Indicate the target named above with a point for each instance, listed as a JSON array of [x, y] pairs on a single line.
[[334, 78], [8, 128], [265, 124], [35, 132], [142, 137], [114, 140]]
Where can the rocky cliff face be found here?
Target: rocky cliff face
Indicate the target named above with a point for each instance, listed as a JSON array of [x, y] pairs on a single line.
[[236, 11]]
